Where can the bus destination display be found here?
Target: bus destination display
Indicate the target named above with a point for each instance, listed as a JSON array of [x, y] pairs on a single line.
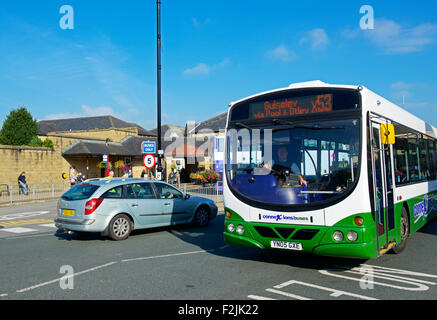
[[291, 107]]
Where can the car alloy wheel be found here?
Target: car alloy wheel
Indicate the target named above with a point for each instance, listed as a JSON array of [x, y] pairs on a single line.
[[202, 217], [120, 227]]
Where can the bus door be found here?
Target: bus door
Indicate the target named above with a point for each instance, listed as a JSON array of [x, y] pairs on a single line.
[[383, 193]]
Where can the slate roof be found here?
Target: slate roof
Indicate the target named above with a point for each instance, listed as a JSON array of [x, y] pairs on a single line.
[[131, 147], [179, 130], [88, 123], [215, 124]]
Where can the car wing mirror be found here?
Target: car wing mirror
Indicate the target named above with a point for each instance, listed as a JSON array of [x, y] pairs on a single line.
[[187, 196]]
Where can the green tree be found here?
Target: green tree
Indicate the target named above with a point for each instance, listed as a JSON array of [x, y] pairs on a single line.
[[19, 128]]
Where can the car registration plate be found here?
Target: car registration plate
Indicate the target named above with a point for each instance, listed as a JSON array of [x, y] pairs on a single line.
[[69, 213], [286, 245]]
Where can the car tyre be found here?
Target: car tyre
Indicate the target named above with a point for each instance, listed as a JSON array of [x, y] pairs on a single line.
[[120, 227], [405, 231], [201, 217]]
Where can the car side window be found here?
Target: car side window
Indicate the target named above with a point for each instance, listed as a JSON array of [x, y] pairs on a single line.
[[114, 193], [142, 191], [168, 192]]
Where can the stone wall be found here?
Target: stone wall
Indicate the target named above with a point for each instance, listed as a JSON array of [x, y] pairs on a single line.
[[42, 165]]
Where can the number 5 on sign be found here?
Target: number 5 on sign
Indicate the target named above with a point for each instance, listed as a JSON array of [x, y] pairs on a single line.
[[149, 161]]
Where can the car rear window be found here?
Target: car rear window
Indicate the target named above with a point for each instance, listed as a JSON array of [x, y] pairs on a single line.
[[80, 192]]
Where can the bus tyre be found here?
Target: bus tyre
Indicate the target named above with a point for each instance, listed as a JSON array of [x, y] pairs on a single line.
[[405, 231], [120, 227], [201, 217]]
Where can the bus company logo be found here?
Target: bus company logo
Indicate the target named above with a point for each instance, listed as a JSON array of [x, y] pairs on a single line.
[[421, 208], [281, 217]]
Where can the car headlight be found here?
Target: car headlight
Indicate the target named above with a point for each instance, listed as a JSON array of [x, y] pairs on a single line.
[[338, 236]]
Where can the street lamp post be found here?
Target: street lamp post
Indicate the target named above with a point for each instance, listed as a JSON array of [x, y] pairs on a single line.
[[160, 155]]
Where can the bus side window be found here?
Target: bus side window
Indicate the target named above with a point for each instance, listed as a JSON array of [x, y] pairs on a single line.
[[432, 159], [402, 175]]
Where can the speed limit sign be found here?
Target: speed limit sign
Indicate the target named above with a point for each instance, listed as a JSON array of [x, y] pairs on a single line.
[[149, 161]]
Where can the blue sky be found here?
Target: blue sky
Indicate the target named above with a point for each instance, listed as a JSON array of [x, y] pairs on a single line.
[[214, 52]]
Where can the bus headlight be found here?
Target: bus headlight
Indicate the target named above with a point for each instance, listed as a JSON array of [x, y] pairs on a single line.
[[231, 228], [338, 236], [240, 229], [352, 236]]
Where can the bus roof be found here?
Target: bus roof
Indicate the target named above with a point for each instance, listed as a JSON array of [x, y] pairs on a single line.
[[371, 101]]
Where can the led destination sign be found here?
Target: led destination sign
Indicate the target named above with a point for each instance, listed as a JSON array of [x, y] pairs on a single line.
[[291, 107]]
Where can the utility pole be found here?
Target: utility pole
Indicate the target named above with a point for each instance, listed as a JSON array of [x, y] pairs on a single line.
[[160, 152]]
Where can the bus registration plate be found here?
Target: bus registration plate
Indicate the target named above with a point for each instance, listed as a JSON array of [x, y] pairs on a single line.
[[286, 245]]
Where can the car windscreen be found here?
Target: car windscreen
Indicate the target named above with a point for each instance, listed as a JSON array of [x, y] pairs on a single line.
[[80, 192]]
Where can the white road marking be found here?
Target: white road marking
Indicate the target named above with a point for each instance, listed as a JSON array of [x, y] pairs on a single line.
[[21, 215], [287, 294], [389, 274], [259, 297], [18, 230], [164, 256], [48, 225], [112, 263], [65, 277], [173, 254]]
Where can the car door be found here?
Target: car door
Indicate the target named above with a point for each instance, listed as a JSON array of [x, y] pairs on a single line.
[[175, 205], [147, 207]]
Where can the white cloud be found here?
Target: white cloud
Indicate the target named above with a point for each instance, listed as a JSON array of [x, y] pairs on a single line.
[[281, 53], [204, 69], [317, 38], [86, 111], [393, 38], [200, 23], [199, 69]]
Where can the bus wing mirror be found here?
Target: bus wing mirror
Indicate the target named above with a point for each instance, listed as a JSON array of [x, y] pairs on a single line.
[[387, 132]]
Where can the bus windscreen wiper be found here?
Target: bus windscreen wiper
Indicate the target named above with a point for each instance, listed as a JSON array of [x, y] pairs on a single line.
[[296, 126], [242, 125]]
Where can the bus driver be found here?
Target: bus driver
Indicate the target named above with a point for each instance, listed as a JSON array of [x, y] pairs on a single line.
[[283, 166]]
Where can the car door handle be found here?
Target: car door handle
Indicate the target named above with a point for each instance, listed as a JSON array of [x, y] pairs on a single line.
[[134, 205], [167, 204]]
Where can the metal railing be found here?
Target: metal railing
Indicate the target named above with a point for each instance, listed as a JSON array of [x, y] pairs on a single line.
[[213, 191], [10, 194], [42, 191]]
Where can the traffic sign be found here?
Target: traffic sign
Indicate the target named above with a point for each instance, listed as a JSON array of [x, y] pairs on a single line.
[[149, 161], [148, 147], [105, 158]]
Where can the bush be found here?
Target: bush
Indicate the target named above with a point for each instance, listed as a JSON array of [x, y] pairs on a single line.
[[36, 142], [48, 144], [208, 176]]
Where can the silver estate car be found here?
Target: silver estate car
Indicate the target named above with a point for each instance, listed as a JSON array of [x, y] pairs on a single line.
[[116, 207]]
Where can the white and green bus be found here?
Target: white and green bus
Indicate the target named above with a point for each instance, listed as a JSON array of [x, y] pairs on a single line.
[[332, 170]]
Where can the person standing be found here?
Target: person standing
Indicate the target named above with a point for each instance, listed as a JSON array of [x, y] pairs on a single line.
[[171, 177], [110, 176], [73, 178], [22, 184]]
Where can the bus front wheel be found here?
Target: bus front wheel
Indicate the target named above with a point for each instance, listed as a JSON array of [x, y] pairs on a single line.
[[405, 231]]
